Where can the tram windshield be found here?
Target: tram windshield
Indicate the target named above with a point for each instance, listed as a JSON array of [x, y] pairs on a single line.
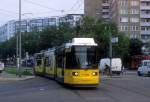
[[81, 57]]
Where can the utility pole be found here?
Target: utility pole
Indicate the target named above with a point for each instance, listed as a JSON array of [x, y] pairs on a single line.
[[17, 55], [110, 49], [19, 69]]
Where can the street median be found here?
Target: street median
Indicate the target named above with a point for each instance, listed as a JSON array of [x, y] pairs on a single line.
[[10, 74]]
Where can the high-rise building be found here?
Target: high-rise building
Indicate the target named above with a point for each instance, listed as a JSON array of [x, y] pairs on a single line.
[[97, 9], [145, 20], [126, 14]]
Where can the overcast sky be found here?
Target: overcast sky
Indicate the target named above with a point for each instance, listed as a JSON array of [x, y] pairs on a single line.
[[38, 8]]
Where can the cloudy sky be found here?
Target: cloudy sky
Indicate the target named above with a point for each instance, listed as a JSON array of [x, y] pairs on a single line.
[[38, 8]]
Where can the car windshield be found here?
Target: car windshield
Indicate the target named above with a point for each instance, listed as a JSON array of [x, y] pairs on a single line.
[[146, 64]]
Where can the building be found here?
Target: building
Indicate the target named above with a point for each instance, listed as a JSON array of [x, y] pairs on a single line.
[[7, 31], [71, 19], [97, 9], [126, 14], [145, 20], [38, 24]]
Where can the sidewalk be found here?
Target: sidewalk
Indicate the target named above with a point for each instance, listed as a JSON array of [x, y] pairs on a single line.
[[12, 77]]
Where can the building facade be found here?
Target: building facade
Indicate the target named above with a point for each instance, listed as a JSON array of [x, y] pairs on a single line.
[[145, 20], [37, 24], [97, 9], [7, 31], [126, 14]]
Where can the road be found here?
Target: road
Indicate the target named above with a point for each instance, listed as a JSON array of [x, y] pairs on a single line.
[[126, 88]]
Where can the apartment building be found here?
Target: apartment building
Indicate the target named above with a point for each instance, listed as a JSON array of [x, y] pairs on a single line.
[[7, 31], [71, 19], [145, 20], [37, 24], [126, 14], [97, 9]]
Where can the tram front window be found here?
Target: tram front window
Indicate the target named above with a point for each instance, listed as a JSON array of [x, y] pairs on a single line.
[[81, 57]]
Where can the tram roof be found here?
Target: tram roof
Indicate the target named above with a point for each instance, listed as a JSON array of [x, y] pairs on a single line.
[[82, 42]]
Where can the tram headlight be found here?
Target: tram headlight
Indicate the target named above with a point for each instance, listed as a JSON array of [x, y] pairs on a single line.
[[94, 73], [75, 73]]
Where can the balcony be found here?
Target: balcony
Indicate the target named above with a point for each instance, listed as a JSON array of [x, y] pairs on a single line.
[[145, 32], [145, 7], [145, 15], [144, 0], [105, 10], [145, 23], [105, 4], [105, 16]]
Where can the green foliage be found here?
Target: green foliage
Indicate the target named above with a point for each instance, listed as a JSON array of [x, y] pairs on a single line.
[[10, 70], [135, 47]]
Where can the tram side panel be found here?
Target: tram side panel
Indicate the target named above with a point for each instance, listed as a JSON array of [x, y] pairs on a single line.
[[50, 66], [39, 66], [59, 66]]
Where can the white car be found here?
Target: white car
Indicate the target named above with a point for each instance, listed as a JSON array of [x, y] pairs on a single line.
[[144, 68], [1, 67]]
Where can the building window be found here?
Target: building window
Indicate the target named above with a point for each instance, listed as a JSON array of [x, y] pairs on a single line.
[[123, 11], [134, 19], [134, 11], [123, 3], [134, 35], [137, 28], [105, 1], [124, 19], [123, 28], [134, 28], [134, 3]]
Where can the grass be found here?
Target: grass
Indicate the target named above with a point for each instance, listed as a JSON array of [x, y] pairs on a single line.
[[12, 70]]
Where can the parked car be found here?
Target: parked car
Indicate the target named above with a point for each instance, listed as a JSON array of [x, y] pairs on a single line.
[[116, 66], [1, 67], [144, 68]]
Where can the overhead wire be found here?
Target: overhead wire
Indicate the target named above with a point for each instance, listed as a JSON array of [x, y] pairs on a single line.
[[74, 5], [78, 6], [40, 5], [7, 11]]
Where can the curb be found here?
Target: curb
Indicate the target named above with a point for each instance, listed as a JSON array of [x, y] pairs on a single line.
[[16, 78]]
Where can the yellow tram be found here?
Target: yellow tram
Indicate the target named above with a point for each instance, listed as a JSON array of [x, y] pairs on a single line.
[[72, 63]]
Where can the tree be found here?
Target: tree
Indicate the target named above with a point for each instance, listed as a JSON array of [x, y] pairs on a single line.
[[135, 47]]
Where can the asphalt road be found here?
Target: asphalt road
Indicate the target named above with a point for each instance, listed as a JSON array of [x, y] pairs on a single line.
[[126, 88]]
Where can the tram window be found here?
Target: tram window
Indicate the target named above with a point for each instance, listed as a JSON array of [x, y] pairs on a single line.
[[39, 62], [71, 60], [60, 61], [47, 62], [91, 55], [81, 57]]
